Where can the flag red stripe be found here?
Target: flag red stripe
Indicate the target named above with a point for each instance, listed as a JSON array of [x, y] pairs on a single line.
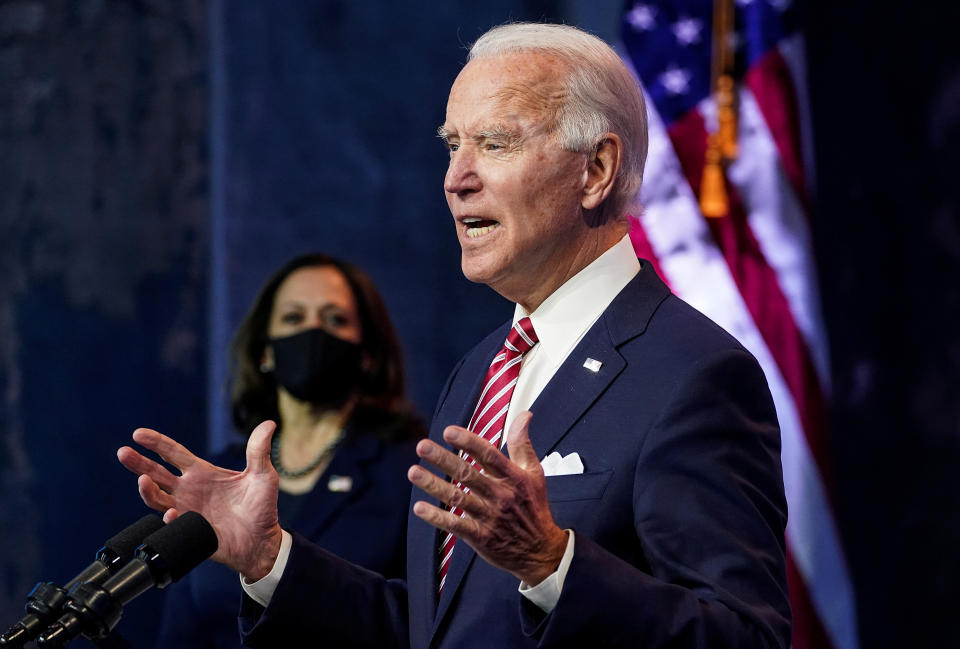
[[641, 245], [772, 86], [761, 292], [808, 632], [768, 306]]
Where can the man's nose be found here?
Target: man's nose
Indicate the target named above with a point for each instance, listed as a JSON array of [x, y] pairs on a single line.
[[462, 174]]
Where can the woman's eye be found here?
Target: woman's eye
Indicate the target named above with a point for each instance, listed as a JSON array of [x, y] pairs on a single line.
[[335, 320], [291, 318]]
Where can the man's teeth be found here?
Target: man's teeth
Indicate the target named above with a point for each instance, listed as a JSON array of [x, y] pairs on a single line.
[[474, 230], [479, 232]]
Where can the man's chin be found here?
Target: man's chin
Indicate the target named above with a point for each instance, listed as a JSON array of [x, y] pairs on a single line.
[[477, 271], [473, 274]]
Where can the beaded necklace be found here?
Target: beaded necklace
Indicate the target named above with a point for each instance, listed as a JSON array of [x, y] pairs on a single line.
[[299, 473]]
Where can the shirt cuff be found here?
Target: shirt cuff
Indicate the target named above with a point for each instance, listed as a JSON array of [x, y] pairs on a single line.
[[546, 594], [262, 590]]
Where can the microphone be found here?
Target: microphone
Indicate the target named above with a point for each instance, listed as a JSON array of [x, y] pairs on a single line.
[[165, 556], [45, 601]]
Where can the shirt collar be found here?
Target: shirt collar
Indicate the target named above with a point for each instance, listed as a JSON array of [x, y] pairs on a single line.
[[567, 313]]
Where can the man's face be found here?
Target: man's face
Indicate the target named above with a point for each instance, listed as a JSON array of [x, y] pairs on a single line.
[[513, 192]]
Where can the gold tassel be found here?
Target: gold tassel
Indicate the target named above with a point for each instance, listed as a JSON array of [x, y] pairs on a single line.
[[713, 191], [721, 145], [726, 117]]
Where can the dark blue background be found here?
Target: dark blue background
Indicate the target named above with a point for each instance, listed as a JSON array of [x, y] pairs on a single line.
[[159, 159]]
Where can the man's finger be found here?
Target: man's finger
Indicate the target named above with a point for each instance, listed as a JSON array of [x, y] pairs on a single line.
[[519, 447], [258, 448], [462, 527], [140, 465], [486, 454], [447, 492], [154, 497], [459, 470], [171, 451]]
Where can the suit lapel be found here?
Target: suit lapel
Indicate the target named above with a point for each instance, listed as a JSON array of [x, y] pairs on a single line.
[[463, 554], [574, 388], [322, 505], [423, 540]]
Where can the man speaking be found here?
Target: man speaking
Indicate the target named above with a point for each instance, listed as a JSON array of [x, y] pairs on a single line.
[[603, 470]]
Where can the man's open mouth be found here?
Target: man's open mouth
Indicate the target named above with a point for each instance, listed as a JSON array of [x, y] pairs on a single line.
[[479, 227]]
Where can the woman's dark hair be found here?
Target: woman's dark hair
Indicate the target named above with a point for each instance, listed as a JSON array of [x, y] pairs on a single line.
[[380, 392]]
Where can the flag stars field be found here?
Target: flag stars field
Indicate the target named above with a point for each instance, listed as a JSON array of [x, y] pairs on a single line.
[[641, 18], [687, 31], [675, 81]]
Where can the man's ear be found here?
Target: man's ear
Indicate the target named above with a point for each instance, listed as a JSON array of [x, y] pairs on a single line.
[[602, 167]]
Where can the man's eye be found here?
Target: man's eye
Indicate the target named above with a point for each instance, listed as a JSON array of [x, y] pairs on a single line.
[[453, 146], [500, 146]]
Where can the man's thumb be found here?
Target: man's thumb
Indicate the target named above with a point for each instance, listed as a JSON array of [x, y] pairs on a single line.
[[258, 448], [519, 448]]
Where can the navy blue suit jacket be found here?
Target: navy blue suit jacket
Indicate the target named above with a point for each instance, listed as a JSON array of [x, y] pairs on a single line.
[[679, 515]]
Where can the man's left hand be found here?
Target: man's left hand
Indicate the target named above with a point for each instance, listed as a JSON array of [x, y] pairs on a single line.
[[507, 517]]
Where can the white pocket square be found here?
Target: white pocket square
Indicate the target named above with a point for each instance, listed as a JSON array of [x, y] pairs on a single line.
[[553, 464]]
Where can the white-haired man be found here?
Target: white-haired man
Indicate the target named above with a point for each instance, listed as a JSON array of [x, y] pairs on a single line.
[[639, 505]]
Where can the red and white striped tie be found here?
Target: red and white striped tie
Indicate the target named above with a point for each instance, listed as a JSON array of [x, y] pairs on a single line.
[[491, 411]]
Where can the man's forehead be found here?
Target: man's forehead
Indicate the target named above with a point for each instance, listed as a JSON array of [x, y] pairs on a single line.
[[513, 88]]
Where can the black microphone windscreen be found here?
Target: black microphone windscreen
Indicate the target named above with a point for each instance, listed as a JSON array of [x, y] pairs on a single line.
[[183, 543], [125, 543]]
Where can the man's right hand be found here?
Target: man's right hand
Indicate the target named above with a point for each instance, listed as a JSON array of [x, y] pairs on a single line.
[[241, 506]]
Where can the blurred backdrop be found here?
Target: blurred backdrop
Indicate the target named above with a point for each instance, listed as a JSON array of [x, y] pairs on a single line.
[[159, 158]]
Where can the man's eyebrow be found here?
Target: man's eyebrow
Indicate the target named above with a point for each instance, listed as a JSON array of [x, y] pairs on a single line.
[[497, 132], [494, 132]]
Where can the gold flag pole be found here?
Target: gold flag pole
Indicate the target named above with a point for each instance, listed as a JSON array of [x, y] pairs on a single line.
[[722, 144]]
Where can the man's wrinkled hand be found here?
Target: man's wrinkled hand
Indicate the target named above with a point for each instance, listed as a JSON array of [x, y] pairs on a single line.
[[240, 505], [507, 517]]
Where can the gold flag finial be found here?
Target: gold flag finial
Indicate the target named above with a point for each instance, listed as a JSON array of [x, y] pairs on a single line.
[[721, 145]]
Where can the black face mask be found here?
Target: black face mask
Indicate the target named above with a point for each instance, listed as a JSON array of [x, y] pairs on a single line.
[[317, 367]]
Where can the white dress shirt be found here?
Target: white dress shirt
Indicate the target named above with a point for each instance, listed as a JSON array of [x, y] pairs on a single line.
[[560, 322], [563, 319]]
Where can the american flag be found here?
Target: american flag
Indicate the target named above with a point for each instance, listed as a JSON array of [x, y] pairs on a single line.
[[752, 270]]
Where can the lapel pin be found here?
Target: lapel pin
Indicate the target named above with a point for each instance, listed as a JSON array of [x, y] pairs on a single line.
[[340, 483], [592, 364]]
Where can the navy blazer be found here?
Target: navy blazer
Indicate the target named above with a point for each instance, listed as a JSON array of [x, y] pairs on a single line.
[[679, 515], [365, 524]]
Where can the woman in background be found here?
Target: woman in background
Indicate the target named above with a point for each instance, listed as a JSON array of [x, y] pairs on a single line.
[[317, 354]]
